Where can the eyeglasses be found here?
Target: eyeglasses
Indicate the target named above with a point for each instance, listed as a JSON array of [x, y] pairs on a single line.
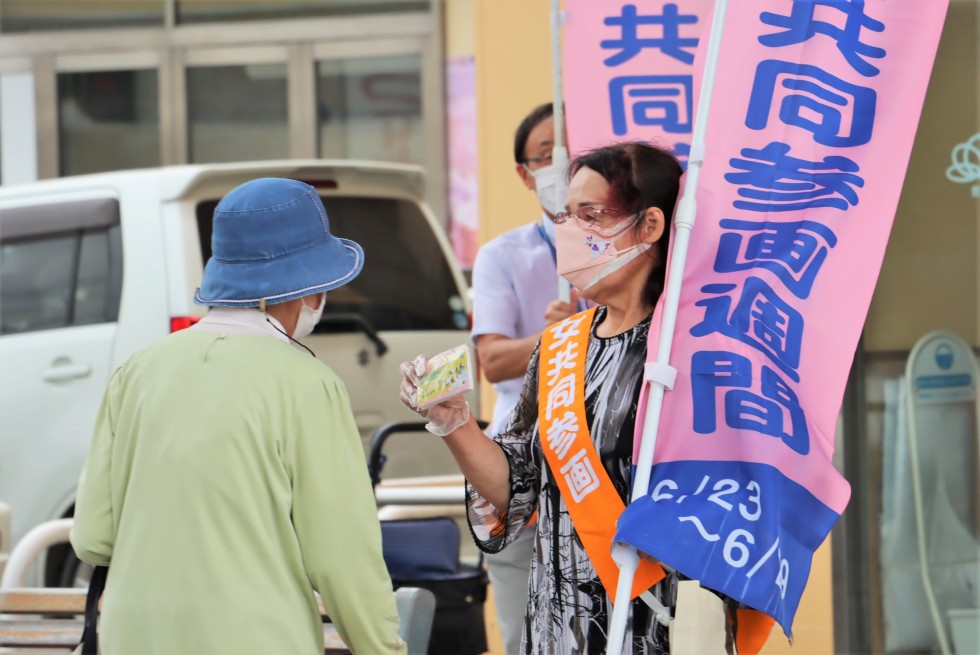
[[543, 160], [591, 216]]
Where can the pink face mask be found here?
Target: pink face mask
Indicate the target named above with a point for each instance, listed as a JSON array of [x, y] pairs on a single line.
[[586, 255]]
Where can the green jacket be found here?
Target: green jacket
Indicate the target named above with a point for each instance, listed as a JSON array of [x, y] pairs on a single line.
[[225, 482]]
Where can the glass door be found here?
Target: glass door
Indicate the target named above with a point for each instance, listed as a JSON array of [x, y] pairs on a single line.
[[370, 107], [237, 104]]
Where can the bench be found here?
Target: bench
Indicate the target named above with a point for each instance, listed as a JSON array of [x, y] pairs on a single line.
[[52, 619]]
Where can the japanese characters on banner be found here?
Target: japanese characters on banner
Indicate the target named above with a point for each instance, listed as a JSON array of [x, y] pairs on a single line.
[[629, 71], [816, 104]]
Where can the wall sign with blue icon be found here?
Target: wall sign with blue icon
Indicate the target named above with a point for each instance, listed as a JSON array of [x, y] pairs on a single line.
[[942, 369]]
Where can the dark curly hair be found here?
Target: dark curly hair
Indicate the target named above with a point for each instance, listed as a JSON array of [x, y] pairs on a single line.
[[640, 176]]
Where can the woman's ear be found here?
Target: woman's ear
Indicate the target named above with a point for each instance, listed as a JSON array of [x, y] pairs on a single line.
[[653, 224]]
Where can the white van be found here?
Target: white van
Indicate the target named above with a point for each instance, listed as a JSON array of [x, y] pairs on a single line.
[[96, 267]]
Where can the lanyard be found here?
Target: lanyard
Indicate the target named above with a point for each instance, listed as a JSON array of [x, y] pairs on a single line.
[[551, 246]]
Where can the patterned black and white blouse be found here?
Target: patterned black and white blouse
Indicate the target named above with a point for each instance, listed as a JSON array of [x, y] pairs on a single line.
[[568, 609]]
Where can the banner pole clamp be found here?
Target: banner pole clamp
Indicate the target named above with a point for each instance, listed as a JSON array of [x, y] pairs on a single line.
[[696, 156], [660, 373]]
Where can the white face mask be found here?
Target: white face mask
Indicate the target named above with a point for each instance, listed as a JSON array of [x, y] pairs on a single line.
[[546, 188], [308, 318]]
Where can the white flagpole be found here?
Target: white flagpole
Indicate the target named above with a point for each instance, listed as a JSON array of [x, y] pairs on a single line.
[[559, 153], [626, 556]]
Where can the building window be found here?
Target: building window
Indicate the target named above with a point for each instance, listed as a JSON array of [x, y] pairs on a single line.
[[108, 120], [237, 113], [371, 108]]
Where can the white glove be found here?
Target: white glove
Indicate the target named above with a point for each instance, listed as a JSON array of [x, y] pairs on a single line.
[[443, 418]]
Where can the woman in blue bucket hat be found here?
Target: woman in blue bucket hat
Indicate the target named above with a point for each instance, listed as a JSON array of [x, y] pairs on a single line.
[[226, 474]]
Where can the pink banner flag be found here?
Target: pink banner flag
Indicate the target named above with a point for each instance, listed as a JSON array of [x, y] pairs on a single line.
[[816, 104], [629, 71]]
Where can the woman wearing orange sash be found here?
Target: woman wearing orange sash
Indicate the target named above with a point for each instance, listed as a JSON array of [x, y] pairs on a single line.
[[570, 439]]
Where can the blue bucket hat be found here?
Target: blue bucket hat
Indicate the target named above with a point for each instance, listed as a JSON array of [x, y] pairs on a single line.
[[271, 241]]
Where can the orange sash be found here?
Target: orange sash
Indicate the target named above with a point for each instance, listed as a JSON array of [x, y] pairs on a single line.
[[593, 502]]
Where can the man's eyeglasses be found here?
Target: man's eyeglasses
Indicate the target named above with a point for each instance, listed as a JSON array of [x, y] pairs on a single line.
[[543, 160]]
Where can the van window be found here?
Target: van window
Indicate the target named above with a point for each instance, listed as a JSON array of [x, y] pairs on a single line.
[[406, 284], [60, 266]]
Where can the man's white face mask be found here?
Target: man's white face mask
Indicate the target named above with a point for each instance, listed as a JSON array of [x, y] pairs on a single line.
[[308, 318], [546, 188]]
